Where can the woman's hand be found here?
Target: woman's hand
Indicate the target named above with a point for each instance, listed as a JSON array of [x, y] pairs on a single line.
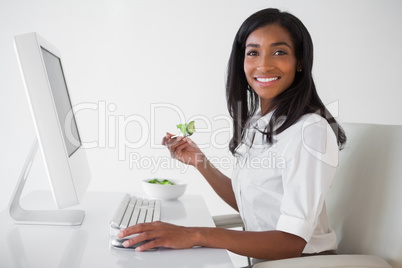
[[262, 245], [160, 234], [184, 150]]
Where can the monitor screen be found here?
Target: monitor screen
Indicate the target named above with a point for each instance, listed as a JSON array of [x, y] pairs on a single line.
[[62, 101], [57, 137]]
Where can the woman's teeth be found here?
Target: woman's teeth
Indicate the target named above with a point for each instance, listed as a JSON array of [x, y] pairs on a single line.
[[265, 80]]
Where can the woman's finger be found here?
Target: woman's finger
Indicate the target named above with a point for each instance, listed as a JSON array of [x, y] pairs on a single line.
[[179, 149], [149, 245], [142, 237], [135, 229], [172, 145], [166, 138]]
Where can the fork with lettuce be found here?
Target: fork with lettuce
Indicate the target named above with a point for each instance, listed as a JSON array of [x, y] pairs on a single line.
[[186, 129]]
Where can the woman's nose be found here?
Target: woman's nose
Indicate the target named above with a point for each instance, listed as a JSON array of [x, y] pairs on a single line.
[[265, 64]]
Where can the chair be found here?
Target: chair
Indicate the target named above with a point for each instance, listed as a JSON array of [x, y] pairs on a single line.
[[363, 204]]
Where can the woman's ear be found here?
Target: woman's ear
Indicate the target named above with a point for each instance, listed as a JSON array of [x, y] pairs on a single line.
[[299, 67]]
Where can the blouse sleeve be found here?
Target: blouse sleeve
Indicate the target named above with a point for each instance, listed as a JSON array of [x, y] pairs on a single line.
[[311, 160]]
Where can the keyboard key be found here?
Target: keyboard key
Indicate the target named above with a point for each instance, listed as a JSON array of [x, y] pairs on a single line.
[[157, 210], [136, 212], [143, 213], [121, 209], [127, 215], [150, 212]]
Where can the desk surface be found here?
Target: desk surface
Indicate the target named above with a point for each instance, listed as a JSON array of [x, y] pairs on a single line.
[[88, 245]]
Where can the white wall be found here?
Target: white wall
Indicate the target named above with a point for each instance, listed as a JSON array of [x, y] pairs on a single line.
[[135, 54]]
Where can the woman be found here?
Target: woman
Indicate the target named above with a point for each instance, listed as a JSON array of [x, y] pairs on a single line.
[[286, 144]]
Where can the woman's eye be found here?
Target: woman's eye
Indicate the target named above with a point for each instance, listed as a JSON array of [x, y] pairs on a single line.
[[279, 53], [252, 53]]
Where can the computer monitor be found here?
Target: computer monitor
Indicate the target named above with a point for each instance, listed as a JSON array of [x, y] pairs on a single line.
[[57, 133]]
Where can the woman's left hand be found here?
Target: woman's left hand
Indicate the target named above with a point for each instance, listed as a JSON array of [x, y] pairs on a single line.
[[159, 234]]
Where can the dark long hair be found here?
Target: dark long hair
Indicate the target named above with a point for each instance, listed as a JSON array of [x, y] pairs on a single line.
[[299, 99]]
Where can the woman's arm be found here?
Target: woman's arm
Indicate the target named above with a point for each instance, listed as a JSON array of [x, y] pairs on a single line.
[[262, 245], [271, 245], [221, 184], [186, 151]]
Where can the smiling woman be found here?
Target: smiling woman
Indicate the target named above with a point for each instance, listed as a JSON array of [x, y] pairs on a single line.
[[269, 44], [277, 115], [270, 62]]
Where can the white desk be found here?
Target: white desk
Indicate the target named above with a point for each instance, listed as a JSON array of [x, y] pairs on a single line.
[[88, 245]]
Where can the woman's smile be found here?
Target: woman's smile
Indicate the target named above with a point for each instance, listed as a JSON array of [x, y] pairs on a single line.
[[266, 81]]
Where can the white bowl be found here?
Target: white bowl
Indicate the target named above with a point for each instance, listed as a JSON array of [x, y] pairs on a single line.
[[165, 192]]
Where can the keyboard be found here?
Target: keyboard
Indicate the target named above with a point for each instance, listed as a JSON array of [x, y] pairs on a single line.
[[133, 210]]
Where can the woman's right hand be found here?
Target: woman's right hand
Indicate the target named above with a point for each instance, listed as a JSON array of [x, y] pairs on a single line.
[[183, 149]]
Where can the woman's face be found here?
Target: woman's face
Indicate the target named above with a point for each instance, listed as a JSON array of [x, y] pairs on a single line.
[[270, 62]]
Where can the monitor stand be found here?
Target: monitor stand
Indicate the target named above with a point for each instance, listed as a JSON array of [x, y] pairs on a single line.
[[39, 217]]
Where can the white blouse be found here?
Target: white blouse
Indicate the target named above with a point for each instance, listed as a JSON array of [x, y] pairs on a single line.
[[283, 186]]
